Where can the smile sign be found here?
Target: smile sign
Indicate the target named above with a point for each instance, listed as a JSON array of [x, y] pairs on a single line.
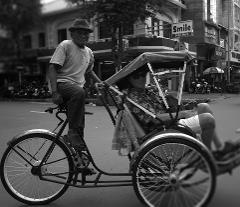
[[184, 28]]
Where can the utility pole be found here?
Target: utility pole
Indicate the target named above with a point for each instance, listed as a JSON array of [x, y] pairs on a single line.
[[228, 43]]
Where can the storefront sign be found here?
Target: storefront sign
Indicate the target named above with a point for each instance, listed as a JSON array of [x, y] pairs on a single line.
[[220, 53], [211, 35], [222, 43], [184, 28]]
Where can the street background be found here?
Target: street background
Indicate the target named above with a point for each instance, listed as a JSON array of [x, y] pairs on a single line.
[[17, 117]]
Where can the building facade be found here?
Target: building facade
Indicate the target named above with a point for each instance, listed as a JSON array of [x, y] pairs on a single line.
[[152, 35], [234, 56], [216, 36]]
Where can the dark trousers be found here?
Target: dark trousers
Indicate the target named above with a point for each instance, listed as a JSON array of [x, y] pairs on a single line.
[[74, 97]]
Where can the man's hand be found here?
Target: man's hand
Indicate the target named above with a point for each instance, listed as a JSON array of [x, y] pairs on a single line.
[[57, 98]]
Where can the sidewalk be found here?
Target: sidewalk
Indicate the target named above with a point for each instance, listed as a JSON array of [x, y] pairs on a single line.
[[210, 97]]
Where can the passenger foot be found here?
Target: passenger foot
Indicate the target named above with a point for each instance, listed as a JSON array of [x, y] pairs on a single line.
[[229, 149]]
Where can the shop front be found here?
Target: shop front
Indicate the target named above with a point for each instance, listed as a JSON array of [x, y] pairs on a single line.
[[234, 73]]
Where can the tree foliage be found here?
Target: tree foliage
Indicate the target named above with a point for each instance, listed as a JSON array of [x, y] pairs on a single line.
[[18, 16], [117, 13]]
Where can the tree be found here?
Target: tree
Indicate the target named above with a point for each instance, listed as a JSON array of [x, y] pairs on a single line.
[[116, 14], [18, 16]]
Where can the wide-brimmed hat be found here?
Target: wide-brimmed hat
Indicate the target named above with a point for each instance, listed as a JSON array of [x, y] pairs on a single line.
[[80, 24]]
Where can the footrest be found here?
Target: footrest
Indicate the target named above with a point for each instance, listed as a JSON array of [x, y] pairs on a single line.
[[229, 164]]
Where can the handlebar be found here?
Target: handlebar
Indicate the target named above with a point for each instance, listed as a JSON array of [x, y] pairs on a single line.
[[61, 109], [50, 110]]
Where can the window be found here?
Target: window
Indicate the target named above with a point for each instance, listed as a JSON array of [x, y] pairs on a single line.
[[161, 28], [104, 30], [237, 42], [237, 16], [27, 41], [167, 30], [41, 39], [213, 11], [62, 35], [236, 38], [156, 28], [210, 8]]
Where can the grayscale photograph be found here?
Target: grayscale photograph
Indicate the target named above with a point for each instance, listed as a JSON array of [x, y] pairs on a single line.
[[120, 103]]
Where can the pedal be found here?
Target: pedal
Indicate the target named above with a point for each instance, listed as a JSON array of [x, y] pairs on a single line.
[[66, 140], [86, 171]]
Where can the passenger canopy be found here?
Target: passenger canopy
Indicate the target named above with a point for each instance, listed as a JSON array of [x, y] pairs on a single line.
[[165, 59]]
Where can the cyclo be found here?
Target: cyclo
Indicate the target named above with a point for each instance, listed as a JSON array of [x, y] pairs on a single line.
[[170, 168]]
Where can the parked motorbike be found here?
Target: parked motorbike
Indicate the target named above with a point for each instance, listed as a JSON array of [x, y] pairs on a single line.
[[216, 89], [199, 87], [205, 87], [192, 87]]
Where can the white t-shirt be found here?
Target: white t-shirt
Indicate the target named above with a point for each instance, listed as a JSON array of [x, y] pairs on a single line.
[[74, 61]]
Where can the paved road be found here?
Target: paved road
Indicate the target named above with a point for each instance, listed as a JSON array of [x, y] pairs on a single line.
[[18, 116]]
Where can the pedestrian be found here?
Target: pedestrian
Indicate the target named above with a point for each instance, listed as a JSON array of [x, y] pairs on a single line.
[[202, 122], [69, 64]]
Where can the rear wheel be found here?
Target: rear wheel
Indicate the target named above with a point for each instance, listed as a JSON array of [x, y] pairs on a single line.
[[21, 175], [174, 172]]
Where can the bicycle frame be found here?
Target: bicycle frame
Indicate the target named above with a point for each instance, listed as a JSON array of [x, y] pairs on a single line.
[[97, 182]]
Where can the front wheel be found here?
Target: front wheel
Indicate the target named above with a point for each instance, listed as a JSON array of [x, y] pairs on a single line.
[[24, 180], [174, 172]]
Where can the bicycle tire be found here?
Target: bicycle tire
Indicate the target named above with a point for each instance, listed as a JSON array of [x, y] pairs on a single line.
[[18, 176], [156, 184]]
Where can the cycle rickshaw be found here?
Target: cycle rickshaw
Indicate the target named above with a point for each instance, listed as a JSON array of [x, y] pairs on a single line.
[[170, 168]]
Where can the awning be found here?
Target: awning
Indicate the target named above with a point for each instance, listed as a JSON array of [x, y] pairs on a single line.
[[178, 3], [213, 70]]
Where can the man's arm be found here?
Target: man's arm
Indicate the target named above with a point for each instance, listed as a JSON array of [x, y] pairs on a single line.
[[94, 76], [52, 75]]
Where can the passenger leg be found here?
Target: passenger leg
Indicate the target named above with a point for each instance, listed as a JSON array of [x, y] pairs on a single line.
[[207, 124], [204, 108]]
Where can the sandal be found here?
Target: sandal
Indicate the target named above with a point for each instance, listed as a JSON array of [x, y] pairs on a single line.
[[229, 147]]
